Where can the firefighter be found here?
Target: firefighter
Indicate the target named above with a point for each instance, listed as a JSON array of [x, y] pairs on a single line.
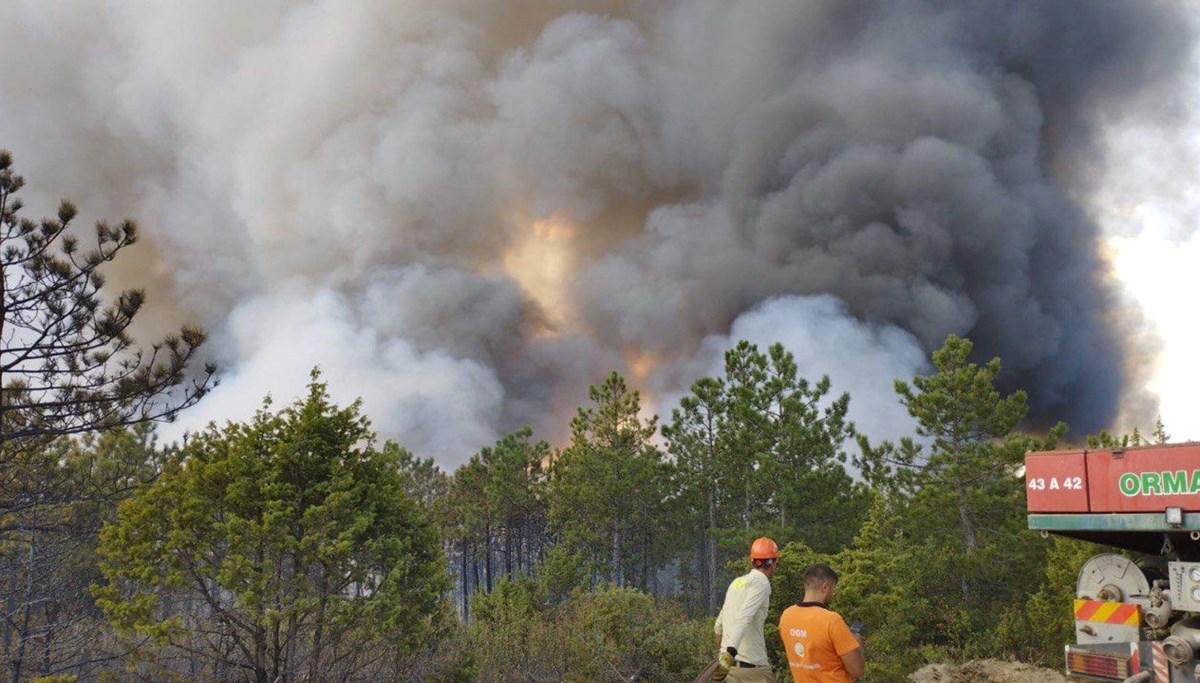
[[820, 647], [739, 627]]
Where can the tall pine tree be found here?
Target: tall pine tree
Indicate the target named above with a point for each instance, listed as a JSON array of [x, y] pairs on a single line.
[[956, 488], [610, 488]]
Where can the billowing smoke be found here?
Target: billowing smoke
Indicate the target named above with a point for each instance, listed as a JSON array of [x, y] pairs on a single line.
[[467, 210]]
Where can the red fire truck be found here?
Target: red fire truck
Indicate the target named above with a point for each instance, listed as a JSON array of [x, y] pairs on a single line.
[[1137, 614]]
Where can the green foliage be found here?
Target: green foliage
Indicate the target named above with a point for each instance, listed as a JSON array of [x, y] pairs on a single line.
[[1103, 439], [968, 562], [424, 481], [785, 437], [495, 510], [608, 497], [47, 549], [876, 586], [445, 657], [562, 573], [609, 634], [513, 492], [295, 534]]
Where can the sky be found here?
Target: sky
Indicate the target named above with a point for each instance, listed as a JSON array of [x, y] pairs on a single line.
[[1160, 274], [1148, 203]]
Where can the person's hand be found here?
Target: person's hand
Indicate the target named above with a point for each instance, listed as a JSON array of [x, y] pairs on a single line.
[[726, 657], [724, 663], [862, 642]]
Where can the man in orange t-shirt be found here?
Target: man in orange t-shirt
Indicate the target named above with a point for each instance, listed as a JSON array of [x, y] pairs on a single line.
[[820, 647]]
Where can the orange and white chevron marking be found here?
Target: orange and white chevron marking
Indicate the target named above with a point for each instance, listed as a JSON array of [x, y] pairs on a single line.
[[1104, 612]]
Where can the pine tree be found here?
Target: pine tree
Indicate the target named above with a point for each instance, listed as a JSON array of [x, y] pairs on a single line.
[[1160, 434], [514, 492], [956, 489], [610, 487], [695, 439], [496, 511], [47, 560], [285, 547], [68, 364], [69, 367]]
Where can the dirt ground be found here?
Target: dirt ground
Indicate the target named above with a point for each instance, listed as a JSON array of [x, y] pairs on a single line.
[[987, 671]]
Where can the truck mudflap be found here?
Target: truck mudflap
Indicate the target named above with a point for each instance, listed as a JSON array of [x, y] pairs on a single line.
[[1120, 661]]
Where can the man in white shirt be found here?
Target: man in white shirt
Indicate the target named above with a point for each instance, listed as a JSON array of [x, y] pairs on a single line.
[[739, 627]]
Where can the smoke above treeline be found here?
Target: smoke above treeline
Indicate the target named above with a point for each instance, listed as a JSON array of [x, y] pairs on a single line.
[[465, 211]]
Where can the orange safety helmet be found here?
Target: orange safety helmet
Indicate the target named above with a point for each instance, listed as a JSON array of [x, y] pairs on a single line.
[[764, 549]]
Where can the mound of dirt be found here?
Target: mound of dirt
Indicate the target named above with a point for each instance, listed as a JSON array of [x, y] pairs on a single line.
[[987, 671]]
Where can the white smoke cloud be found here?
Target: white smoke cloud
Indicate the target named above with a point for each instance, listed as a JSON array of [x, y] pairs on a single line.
[[442, 405]]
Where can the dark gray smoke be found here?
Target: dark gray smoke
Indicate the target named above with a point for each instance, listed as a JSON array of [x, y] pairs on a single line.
[[468, 210]]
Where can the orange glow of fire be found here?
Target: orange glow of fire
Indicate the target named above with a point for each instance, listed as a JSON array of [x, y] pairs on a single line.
[[541, 261], [641, 364]]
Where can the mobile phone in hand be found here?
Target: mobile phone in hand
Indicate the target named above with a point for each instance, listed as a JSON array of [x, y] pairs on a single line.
[[856, 627]]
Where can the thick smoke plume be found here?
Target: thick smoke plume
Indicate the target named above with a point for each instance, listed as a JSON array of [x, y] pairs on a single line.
[[467, 210]]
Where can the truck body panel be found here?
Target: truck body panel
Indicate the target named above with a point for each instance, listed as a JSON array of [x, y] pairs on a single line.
[[1146, 479]]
